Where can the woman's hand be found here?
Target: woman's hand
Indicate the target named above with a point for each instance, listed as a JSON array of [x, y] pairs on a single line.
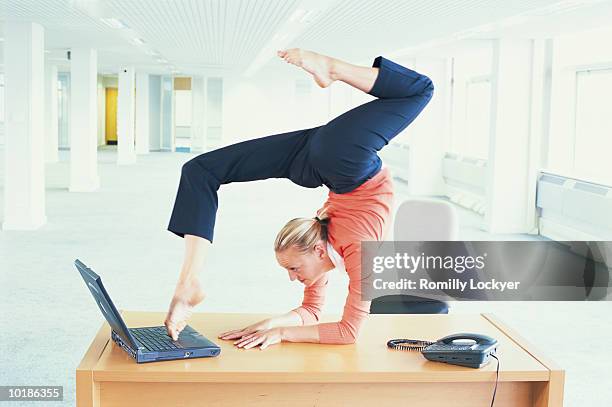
[[241, 333], [262, 338]]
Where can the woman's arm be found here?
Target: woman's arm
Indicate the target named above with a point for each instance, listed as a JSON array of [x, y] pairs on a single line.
[[267, 337], [306, 314], [306, 333], [346, 330], [291, 318], [314, 298]]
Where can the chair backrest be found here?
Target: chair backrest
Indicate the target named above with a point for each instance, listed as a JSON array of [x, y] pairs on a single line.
[[425, 219]]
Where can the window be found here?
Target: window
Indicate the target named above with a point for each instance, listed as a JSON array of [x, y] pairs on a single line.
[[214, 111], [477, 118], [1, 98], [182, 108], [593, 131]]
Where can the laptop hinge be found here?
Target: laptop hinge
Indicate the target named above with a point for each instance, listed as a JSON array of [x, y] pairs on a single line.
[[124, 345]]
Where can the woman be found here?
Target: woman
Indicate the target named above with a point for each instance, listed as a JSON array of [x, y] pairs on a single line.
[[341, 155]]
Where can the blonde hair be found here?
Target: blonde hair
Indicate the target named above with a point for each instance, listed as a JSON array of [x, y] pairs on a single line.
[[302, 233]]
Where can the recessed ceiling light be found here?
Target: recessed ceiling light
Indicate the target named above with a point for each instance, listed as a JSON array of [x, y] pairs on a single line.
[[138, 41], [113, 22]]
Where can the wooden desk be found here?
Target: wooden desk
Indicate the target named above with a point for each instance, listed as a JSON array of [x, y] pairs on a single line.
[[290, 374]]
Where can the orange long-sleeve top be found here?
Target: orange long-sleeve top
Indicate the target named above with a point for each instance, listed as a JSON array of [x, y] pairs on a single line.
[[363, 214]]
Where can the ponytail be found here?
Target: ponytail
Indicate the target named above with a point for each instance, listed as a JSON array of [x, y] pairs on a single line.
[[302, 233]]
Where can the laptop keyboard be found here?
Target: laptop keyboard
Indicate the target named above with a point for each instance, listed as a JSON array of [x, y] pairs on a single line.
[[154, 338]]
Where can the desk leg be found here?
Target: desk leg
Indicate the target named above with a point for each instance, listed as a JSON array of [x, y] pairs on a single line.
[[87, 390], [549, 394]]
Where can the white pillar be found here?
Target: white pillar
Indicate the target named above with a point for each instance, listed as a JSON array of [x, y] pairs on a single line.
[[508, 177], [167, 113], [51, 118], [142, 113], [83, 120], [24, 180], [198, 114], [538, 126], [155, 116], [125, 117]]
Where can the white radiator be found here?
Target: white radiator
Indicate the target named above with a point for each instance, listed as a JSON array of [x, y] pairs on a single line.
[[465, 179], [573, 209]]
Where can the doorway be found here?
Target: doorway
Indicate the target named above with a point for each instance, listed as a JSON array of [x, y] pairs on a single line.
[[110, 134]]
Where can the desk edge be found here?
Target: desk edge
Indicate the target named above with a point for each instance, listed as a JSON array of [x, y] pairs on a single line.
[[96, 348], [523, 343]]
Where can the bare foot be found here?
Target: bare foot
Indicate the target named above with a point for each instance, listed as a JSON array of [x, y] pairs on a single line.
[[186, 297], [319, 66]]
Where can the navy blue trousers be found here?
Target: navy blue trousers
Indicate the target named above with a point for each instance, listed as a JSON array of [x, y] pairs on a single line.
[[341, 154]]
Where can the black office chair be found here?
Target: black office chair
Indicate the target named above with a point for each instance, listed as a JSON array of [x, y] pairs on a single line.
[[407, 304], [419, 219]]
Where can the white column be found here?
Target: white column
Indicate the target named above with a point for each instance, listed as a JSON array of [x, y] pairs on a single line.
[[51, 118], [24, 180], [167, 113], [125, 117], [198, 114], [155, 112], [538, 126], [142, 113], [83, 120], [508, 176]]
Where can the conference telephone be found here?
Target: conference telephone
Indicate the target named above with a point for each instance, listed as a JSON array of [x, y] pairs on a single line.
[[463, 349]]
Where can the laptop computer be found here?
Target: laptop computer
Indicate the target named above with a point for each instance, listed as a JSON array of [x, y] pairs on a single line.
[[147, 344]]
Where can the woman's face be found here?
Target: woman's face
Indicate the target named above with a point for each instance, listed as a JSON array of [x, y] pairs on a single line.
[[305, 267]]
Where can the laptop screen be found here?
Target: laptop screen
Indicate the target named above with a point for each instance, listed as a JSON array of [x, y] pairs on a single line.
[[94, 284]]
